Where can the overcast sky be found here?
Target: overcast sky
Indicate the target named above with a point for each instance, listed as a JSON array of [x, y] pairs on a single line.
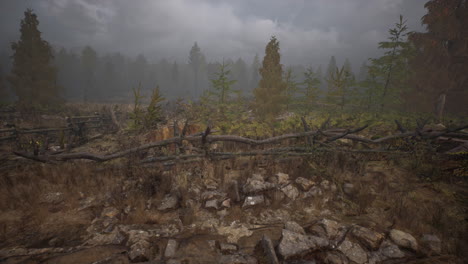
[[309, 31]]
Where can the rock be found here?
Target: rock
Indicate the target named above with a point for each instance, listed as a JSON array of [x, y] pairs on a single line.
[[114, 238], [110, 212], [140, 251], [170, 248], [403, 239], [212, 204], [335, 257], [169, 202], [329, 229], [294, 244], [325, 184], [353, 251], [210, 195], [388, 250], [253, 200], [269, 250], [227, 248], [54, 198], [236, 259], [134, 236], [226, 203], [212, 244], [304, 183], [55, 242], [313, 192], [257, 184], [290, 191], [367, 237], [234, 232], [283, 178], [294, 227], [348, 188], [431, 244]]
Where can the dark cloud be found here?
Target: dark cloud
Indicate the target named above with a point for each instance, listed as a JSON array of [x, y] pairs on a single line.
[[310, 31]]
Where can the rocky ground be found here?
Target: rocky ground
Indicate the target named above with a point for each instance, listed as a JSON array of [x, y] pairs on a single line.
[[243, 211]]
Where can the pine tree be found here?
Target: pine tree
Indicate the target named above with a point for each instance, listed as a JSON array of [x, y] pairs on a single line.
[[222, 85], [33, 77], [255, 77], [331, 68], [310, 88], [291, 87], [89, 64], [440, 64], [196, 62], [270, 95]]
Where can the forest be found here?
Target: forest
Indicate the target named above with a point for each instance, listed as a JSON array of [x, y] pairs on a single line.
[[107, 157]]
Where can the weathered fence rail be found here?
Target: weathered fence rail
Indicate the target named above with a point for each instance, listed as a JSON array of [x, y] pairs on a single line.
[[323, 140]]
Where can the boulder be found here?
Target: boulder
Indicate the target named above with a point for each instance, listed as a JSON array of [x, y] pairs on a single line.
[[335, 257], [388, 250], [294, 227], [140, 251], [314, 192], [257, 184], [269, 250], [234, 232], [304, 183], [329, 229], [367, 237], [353, 251], [325, 185], [294, 244], [171, 248], [290, 191], [212, 204], [348, 188], [403, 239], [283, 178], [236, 259], [169, 202], [227, 248], [253, 200], [114, 238], [110, 212], [431, 244]]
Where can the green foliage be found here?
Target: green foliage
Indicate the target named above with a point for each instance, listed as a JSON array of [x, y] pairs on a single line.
[[153, 111], [310, 89], [270, 95], [33, 78], [340, 87], [292, 87], [137, 115], [388, 75]]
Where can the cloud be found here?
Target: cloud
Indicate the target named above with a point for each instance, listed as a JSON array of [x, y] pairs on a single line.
[[309, 31]]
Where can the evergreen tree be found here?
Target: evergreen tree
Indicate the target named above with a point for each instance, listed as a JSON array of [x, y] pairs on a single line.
[[270, 95], [222, 86], [340, 87], [255, 77], [440, 64], [89, 64], [310, 88], [196, 63], [33, 77], [331, 69], [291, 87]]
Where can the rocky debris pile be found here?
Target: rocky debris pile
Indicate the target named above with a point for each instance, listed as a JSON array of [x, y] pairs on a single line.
[[213, 208]]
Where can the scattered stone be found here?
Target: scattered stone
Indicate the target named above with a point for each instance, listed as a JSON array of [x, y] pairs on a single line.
[[353, 251], [269, 250], [140, 251], [367, 237], [294, 227], [209, 195], [236, 259], [253, 200], [170, 248], [336, 257], [110, 212], [333, 187], [257, 184], [431, 244], [227, 248], [114, 238], [226, 203], [403, 239], [290, 191], [53, 198], [169, 202], [348, 188], [234, 232], [212, 204], [304, 183], [329, 229], [315, 191], [388, 250], [128, 209], [325, 184], [294, 244], [283, 178]]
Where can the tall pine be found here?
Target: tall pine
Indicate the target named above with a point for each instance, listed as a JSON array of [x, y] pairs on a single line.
[[270, 95], [33, 77]]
